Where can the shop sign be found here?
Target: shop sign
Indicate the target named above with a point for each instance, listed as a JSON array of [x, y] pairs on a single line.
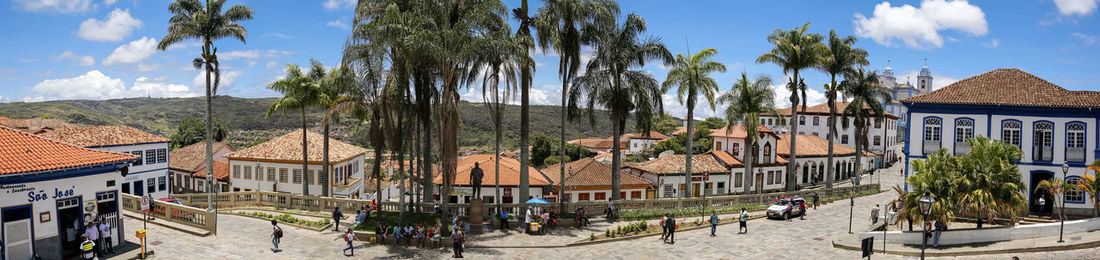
[[34, 195]]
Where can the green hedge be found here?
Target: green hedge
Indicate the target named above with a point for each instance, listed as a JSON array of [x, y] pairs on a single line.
[[287, 218], [391, 218]]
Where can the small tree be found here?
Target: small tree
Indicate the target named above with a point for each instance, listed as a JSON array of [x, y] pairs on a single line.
[[1089, 184]]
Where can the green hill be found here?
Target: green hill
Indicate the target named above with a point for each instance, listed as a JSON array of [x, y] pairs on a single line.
[[245, 117]]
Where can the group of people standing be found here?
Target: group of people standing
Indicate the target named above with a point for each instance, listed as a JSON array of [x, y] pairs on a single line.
[[96, 239]]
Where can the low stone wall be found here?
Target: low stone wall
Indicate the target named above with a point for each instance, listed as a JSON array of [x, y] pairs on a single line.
[[985, 235]]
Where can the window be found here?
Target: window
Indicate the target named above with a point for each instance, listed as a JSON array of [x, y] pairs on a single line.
[[778, 177], [139, 160], [844, 139], [964, 129], [150, 156], [817, 120], [248, 172], [126, 188], [767, 153], [151, 185], [636, 195], [1075, 142], [718, 145], [721, 186], [668, 191], [1010, 132], [582, 196], [878, 124], [736, 150], [297, 176], [162, 184], [1075, 195], [1043, 150], [283, 175], [771, 178], [932, 127], [236, 171], [878, 140], [162, 155], [309, 177], [801, 120], [738, 178], [271, 174]]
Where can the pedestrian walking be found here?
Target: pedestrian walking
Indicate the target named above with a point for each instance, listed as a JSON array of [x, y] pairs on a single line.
[[87, 248], [713, 222], [349, 237], [671, 224], [105, 236], [664, 229], [874, 215], [1042, 205], [790, 210], [802, 206], [815, 197], [92, 231], [504, 220], [459, 237], [276, 235], [744, 219], [336, 216]]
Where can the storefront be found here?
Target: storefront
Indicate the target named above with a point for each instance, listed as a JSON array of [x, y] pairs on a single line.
[[51, 190]]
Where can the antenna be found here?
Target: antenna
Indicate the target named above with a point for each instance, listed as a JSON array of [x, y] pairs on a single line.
[[926, 61]]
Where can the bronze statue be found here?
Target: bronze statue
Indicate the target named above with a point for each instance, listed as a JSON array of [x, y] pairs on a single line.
[[475, 179]]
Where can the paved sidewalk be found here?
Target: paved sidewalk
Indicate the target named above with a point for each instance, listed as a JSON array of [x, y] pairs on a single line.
[[1043, 244]]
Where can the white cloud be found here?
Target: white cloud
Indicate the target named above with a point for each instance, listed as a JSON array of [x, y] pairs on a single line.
[[109, 2], [144, 87], [1075, 7], [132, 52], [272, 64], [920, 27], [338, 4], [1085, 38], [233, 55], [91, 85], [783, 96], [118, 26], [52, 6], [992, 44], [537, 96], [277, 35], [85, 60], [339, 24], [142, 67], [227, 80]]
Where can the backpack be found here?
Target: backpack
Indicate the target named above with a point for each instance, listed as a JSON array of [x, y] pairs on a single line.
[[278, 232], [347, 237]]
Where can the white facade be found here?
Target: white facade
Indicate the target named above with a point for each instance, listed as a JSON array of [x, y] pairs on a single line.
[[346, 177], [603, 195], [638, 145], [672, 185], [880, 136], [768, 171], [151, 175]]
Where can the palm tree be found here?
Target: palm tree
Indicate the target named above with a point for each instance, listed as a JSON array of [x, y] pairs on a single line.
[[1055, 188], [746, 102], [300, 91], [692, 76], [363, 102], [840, 59], [863, 108], [335, 86], [500, 61], [613, 81], [794, 51], [903, 212], [192, 20], [989, 182], [558, 25], [934, 175], [526, 75], [1091, 185]]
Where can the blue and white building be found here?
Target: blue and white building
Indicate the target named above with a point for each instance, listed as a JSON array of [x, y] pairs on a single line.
[[147, 176], [1051, 125]]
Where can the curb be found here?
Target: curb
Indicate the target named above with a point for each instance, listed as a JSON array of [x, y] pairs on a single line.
[[617, 239], [1085, 245]]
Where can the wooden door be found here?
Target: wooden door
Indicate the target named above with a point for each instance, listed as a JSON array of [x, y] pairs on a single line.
[[694, 190], [759, 182]]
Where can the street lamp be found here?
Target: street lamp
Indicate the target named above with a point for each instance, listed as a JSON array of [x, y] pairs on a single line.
[[925, 208], [1062, 227]]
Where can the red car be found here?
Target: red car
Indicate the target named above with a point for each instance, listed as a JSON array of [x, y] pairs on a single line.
[[175, 212]]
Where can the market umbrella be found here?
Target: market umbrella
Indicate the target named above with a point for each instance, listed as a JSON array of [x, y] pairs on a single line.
[[538, 201]]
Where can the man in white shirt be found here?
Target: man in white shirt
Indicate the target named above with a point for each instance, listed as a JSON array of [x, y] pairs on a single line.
[[92, 232], [527, 220], [105, 237]]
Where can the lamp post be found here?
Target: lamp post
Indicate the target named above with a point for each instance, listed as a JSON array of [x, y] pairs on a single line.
[[1062, 227], [851, 210], [925, 208]]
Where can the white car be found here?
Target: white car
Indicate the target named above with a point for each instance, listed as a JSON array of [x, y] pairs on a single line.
[[779, 209]]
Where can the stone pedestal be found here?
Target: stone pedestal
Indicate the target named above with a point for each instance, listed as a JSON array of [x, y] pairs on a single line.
[[477, 208]]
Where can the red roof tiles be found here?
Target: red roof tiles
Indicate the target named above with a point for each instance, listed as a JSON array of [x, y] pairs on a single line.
[[25, 153], [737, 131], [674, 164], [1013, 87], [509, 171], [589, 172], [193, 157], [221, 172], [288, 148], [95, 136], [811, 145]]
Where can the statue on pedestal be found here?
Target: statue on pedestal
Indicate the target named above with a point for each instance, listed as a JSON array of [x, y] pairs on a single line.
[[476, 175]]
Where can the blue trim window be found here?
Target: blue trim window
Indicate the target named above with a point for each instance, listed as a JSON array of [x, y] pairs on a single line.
[[1074, 195], [801, 120], [151, 156], [162, 183], [964, 129], [1010, 132], [162, 155], [1044, 141], [1075, 142], [932, 126], [139, 161]]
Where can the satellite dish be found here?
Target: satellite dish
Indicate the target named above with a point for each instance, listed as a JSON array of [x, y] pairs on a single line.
[[665, 153]]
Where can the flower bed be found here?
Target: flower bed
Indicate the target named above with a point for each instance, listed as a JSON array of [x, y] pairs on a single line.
[[287, 219]]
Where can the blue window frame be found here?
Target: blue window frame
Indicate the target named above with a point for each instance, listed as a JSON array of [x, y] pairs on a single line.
[[151, 156], [933, 126], [140, 160], [1075, 141], [1074, 195], [1043, 141], [162, 155], [1010, 131], [964, 129]]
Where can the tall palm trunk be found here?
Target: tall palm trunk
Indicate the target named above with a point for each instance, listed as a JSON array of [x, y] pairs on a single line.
[[305, 154], [496, 150], [401, 186], [832, 133], [859, 150], [426, 161], [749, 162], [561, 179], [209, 139], [378, 144], [616, 155], [524, 134], [324, 164], [794, 134], [687, 147]]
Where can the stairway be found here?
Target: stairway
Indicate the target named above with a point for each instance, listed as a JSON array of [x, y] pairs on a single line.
[[1032, 219]]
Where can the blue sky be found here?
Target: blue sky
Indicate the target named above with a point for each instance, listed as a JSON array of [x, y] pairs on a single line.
[[104, 49]]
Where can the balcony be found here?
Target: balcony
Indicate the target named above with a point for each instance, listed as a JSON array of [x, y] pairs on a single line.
[[1075, 154]]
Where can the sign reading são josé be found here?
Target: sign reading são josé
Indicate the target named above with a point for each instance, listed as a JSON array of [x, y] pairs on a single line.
[[41, 194]]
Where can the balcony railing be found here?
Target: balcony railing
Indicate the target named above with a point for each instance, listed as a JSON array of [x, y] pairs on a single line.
[[191, 216]]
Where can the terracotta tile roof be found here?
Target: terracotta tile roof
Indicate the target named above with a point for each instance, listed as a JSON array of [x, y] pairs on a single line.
[[811, 145], [823, 109], [601, 144], [680, 130], [4, 118], [95, 136], [654, 135], [221, 172], [34, 125], [672, 164], [24, 153], [737, 131], [509, 172], [1012, 87], [192, 158], [589, 172], [288, 148], [726, 158]]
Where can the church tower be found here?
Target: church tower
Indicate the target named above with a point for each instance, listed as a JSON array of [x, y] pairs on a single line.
[[924, 79]]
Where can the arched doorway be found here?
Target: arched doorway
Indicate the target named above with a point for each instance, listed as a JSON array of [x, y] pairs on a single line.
[[806, 172], [1033, 200]]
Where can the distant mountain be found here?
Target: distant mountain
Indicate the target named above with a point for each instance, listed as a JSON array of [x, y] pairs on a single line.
[[244, 115]]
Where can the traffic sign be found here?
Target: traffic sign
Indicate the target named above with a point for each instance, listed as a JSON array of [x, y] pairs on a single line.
[[145, 204]]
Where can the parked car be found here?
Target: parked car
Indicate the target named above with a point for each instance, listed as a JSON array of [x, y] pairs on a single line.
[[779, 209], [175, 212]]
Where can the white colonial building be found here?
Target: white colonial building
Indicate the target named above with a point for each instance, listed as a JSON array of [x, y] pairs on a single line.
[[708, 176], [590, 180], [643, 143], [51, 189], [463, 189], [188, 168], [1051, 125], [813, 155], [881, 135], [148, 176], [768, 167], [276, 165]]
